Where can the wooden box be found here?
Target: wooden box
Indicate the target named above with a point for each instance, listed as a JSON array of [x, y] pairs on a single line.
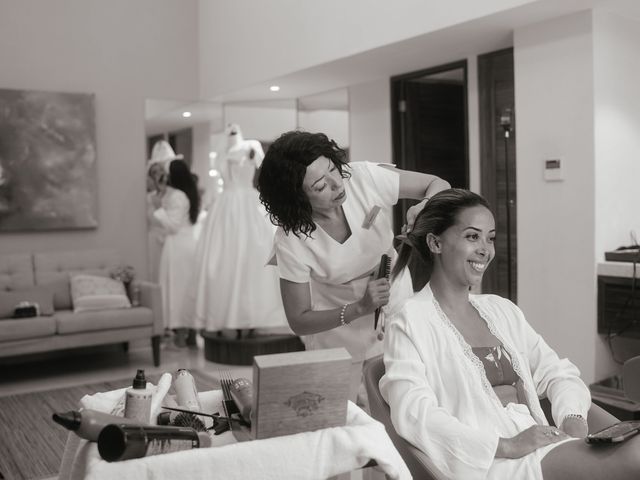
[[299, 391]]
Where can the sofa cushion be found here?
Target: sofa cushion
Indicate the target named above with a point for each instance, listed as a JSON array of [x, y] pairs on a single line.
[[61, 292], [52, 269], [42, 296], [25, 328], [69, 322], [16, 271], [92, 292]]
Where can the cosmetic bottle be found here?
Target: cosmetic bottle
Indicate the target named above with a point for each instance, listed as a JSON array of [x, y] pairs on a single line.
[[241, 391], [122, 442], [138, 399], [88, 423], [186, 392]]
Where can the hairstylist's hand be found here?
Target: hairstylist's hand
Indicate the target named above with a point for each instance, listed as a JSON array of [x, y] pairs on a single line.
[[376, 295], [528, 441], [412, 213], [575, 426]]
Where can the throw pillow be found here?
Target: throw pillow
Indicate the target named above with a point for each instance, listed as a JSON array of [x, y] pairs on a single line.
[[9, 299], [92, 292]]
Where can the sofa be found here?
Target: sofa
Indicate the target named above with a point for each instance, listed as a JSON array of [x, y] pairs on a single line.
[[46, 277]]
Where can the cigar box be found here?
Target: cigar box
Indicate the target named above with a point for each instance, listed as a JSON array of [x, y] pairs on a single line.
[[299, 391]]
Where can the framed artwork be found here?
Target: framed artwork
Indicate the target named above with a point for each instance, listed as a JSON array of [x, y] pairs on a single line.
[[47, 161]]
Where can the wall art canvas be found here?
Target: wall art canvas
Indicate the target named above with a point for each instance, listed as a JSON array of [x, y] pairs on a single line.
[[47, 161]]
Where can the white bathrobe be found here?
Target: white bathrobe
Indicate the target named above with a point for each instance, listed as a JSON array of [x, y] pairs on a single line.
[[178, 255], [442, 402]]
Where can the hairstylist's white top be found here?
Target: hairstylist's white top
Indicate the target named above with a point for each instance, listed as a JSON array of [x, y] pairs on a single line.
[[338, 273]]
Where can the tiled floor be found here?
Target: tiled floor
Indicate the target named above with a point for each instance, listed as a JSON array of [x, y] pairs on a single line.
[[105, 363]]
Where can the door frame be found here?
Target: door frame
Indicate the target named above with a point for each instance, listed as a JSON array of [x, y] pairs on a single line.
[[492, 152], [398, 122]]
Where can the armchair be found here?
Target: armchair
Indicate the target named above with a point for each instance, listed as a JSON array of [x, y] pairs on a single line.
[[631, 378], [418, 463]]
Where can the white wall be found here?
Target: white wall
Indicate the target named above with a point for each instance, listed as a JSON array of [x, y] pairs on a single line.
[[556, 221], [201, 149], [370, 122], [123, 52], [261, 123], [617, 147], [333, 123], [617, 106], [283, 36]]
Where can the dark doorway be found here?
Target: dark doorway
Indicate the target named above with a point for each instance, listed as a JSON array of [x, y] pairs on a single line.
[[498, 165], [182, 142], [429, 126]]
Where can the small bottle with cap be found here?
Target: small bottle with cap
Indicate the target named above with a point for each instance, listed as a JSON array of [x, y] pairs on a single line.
[[138, 399]]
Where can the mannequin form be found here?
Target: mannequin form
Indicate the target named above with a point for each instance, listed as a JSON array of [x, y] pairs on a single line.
[[233, 288]]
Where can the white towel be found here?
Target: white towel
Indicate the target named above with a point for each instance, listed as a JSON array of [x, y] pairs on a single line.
[[310, 455]]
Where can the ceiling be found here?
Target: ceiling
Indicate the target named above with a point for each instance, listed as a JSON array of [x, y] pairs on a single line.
[[435, 48], [325, 86]]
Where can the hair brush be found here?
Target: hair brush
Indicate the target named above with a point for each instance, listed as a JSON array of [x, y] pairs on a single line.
[[188, 420], [384, 271]]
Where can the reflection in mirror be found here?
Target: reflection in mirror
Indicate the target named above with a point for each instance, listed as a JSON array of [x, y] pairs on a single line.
[[195, 130], [263, 121], [328, 113], [187, 129]]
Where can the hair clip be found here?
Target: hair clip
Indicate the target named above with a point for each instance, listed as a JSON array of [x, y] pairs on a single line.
[[404, 238]]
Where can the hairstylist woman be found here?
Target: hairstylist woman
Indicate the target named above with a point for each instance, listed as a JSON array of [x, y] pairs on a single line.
[[334, 224]]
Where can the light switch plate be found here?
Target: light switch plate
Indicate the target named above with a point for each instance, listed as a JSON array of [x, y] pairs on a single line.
[[553, 169]]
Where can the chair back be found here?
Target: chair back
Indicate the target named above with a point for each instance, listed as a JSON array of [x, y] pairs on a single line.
[[418, 463], [631, 378]]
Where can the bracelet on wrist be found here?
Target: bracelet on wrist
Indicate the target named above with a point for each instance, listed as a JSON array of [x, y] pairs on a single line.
[[574, 415], [343, 322]]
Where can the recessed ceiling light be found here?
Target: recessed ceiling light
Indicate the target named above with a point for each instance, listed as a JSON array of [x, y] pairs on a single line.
[[186, 114], [274, 88]]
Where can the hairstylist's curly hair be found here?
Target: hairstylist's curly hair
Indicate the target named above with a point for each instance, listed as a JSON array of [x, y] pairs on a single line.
[[440, 213], [282, 172], [181, 178]]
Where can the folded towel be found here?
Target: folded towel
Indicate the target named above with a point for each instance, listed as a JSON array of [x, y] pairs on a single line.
[[309, 455]]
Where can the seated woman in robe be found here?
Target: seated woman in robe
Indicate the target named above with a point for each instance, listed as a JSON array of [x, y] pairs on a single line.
[[464, 372]]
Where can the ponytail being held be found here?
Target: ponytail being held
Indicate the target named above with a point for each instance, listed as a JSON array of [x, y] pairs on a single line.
[[439, 213]]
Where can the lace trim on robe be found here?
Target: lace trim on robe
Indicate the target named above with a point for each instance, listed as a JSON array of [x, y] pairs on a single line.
[[515, 363], [468, 352], [466, 348]]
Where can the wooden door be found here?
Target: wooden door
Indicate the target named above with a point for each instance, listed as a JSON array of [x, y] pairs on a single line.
[[429, 126], [498, 165]]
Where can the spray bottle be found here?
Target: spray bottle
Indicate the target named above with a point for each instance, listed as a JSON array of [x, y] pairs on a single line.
[[138, 399]]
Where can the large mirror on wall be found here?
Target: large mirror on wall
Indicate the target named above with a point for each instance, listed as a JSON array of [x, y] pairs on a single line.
[[196, 131]]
